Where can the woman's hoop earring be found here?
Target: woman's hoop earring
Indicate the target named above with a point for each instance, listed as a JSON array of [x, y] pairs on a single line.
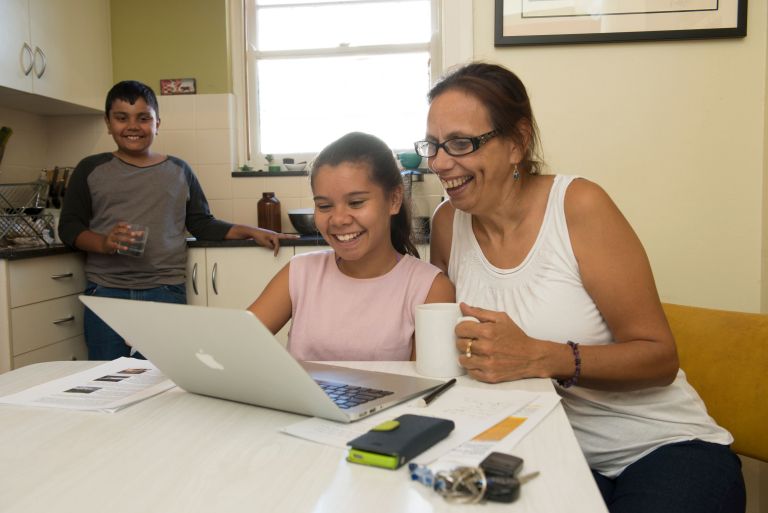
[[516, 174]]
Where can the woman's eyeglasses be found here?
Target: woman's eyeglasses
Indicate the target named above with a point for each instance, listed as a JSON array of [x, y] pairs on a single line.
[[454, 147]]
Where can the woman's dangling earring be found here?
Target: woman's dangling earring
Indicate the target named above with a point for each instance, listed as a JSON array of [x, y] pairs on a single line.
[[516, 174]]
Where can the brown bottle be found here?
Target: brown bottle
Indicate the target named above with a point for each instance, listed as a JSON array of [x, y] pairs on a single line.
[[268, 209]]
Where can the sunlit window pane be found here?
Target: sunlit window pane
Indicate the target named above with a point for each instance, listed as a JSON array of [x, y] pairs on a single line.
[[343, 24], [306, 103]]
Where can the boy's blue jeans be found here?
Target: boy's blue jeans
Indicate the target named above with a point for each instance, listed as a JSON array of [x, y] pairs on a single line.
[[684, 477], [102, 341]]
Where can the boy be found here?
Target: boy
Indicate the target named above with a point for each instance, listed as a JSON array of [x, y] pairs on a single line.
[[135, 185]]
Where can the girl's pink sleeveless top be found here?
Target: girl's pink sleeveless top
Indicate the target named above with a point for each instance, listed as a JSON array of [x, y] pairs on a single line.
[[336, 317]]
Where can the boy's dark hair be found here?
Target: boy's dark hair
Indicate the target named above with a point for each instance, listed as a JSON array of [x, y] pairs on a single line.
[[130, 91], [360, 148]]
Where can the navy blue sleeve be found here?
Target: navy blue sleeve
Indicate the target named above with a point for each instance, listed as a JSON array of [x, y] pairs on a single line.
[[77, 210], [199, 220]]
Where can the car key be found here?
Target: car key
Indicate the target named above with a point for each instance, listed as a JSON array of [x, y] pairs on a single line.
[[506, 489], [501, 464]]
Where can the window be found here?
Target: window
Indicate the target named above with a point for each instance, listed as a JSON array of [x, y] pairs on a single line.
[[318, 69]]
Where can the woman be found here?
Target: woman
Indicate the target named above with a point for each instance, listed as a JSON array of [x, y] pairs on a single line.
[[564, 290], [355, 301]]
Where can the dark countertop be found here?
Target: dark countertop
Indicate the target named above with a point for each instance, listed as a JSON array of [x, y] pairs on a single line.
[[21, 253], [305, 240], [58, 249]]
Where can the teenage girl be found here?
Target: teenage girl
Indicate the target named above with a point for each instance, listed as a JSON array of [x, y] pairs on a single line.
[[355, 301]]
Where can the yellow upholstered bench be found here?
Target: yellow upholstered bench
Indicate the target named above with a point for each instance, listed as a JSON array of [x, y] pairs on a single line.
[[725, 357]]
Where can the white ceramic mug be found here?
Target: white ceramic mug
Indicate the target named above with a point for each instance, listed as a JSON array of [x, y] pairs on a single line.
[[436, 352]]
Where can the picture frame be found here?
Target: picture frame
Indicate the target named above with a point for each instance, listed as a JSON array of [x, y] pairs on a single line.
[[542, 22], [178, 86]]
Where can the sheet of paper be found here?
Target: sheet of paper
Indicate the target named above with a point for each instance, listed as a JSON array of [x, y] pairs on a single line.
[[472, 410], [502, 436], [108, 387]]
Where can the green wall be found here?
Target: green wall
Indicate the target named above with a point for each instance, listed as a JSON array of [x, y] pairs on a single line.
[[156, 39]]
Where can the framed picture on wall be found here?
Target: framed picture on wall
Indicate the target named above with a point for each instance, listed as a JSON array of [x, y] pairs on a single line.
[[535, 22], [178, 86]]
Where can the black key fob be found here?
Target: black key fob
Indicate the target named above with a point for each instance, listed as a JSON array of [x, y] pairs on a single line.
[[501, 464]]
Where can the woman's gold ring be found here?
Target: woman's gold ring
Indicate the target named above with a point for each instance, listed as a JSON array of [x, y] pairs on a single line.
[[468, 352]]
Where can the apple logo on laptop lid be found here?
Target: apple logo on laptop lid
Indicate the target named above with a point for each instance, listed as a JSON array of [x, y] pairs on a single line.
[[208, 360]]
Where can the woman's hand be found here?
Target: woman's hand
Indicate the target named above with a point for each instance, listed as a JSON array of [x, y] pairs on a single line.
[[499, 349]]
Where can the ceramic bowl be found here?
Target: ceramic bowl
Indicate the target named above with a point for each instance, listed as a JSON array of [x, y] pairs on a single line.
[[303, 219], [295, 167], [409, 160]]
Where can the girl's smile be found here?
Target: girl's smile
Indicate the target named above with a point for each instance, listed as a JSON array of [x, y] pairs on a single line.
[[353, 214]]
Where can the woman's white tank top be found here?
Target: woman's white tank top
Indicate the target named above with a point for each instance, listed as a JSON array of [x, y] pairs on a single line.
[[545, 296]]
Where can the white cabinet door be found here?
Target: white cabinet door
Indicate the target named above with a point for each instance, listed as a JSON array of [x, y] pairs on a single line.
[[309, 249], [73, 50], [15, 57], [423, 251], [197, 277], [236, 276]]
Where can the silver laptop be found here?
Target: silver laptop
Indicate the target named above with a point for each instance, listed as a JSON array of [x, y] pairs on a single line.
[[230, 354]]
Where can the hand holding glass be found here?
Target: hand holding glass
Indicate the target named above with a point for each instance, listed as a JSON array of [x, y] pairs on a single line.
[[136, 242]]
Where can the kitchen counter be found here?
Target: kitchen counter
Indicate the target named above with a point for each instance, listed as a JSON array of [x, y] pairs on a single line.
[[58, 249], [305, 240], [32, 252]]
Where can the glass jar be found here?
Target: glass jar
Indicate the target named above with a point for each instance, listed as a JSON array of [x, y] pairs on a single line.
[[268, 212]]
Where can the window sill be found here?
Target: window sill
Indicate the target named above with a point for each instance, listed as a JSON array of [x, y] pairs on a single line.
[[254, 174]]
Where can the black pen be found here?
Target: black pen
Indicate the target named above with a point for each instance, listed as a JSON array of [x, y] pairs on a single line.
[[424, 401]]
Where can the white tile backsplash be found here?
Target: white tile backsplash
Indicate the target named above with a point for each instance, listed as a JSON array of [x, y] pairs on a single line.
[[176, 112], [25, 153], [245, 211], [222, 209], [215, 179], [213, 111], [214, 146], [196, 128], [179, 143]]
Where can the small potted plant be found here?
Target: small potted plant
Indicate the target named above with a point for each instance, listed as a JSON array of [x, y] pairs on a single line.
[[271, 166]]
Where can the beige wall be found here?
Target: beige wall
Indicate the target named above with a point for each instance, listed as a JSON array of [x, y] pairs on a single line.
[[153, 40], [675, 132], [25, 153]]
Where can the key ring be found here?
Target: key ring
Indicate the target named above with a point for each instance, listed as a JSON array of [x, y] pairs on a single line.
[[462, 485]]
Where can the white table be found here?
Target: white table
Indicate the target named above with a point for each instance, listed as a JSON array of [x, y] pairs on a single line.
[[180, 452]]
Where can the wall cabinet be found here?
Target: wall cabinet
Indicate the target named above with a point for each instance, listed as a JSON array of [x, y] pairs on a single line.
[[41, 317], [58, 49]]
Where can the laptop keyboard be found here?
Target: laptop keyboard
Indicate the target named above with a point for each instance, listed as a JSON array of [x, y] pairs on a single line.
[[347, 396]]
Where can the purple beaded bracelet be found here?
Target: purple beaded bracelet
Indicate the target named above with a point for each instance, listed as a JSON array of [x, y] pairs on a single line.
[[577, 371]]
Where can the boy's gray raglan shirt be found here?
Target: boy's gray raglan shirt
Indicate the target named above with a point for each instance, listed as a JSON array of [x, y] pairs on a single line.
[[166, 197]]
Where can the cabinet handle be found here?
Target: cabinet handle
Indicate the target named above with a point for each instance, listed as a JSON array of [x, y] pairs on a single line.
[[194, 279], [61, 276], [26, 50], [64, 320], [39, 52], [213, 278]]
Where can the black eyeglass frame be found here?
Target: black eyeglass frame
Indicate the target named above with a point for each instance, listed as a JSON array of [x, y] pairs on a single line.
[[477, 142]]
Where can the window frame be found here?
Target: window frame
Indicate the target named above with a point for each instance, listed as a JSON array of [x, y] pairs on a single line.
[[451, 44]]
